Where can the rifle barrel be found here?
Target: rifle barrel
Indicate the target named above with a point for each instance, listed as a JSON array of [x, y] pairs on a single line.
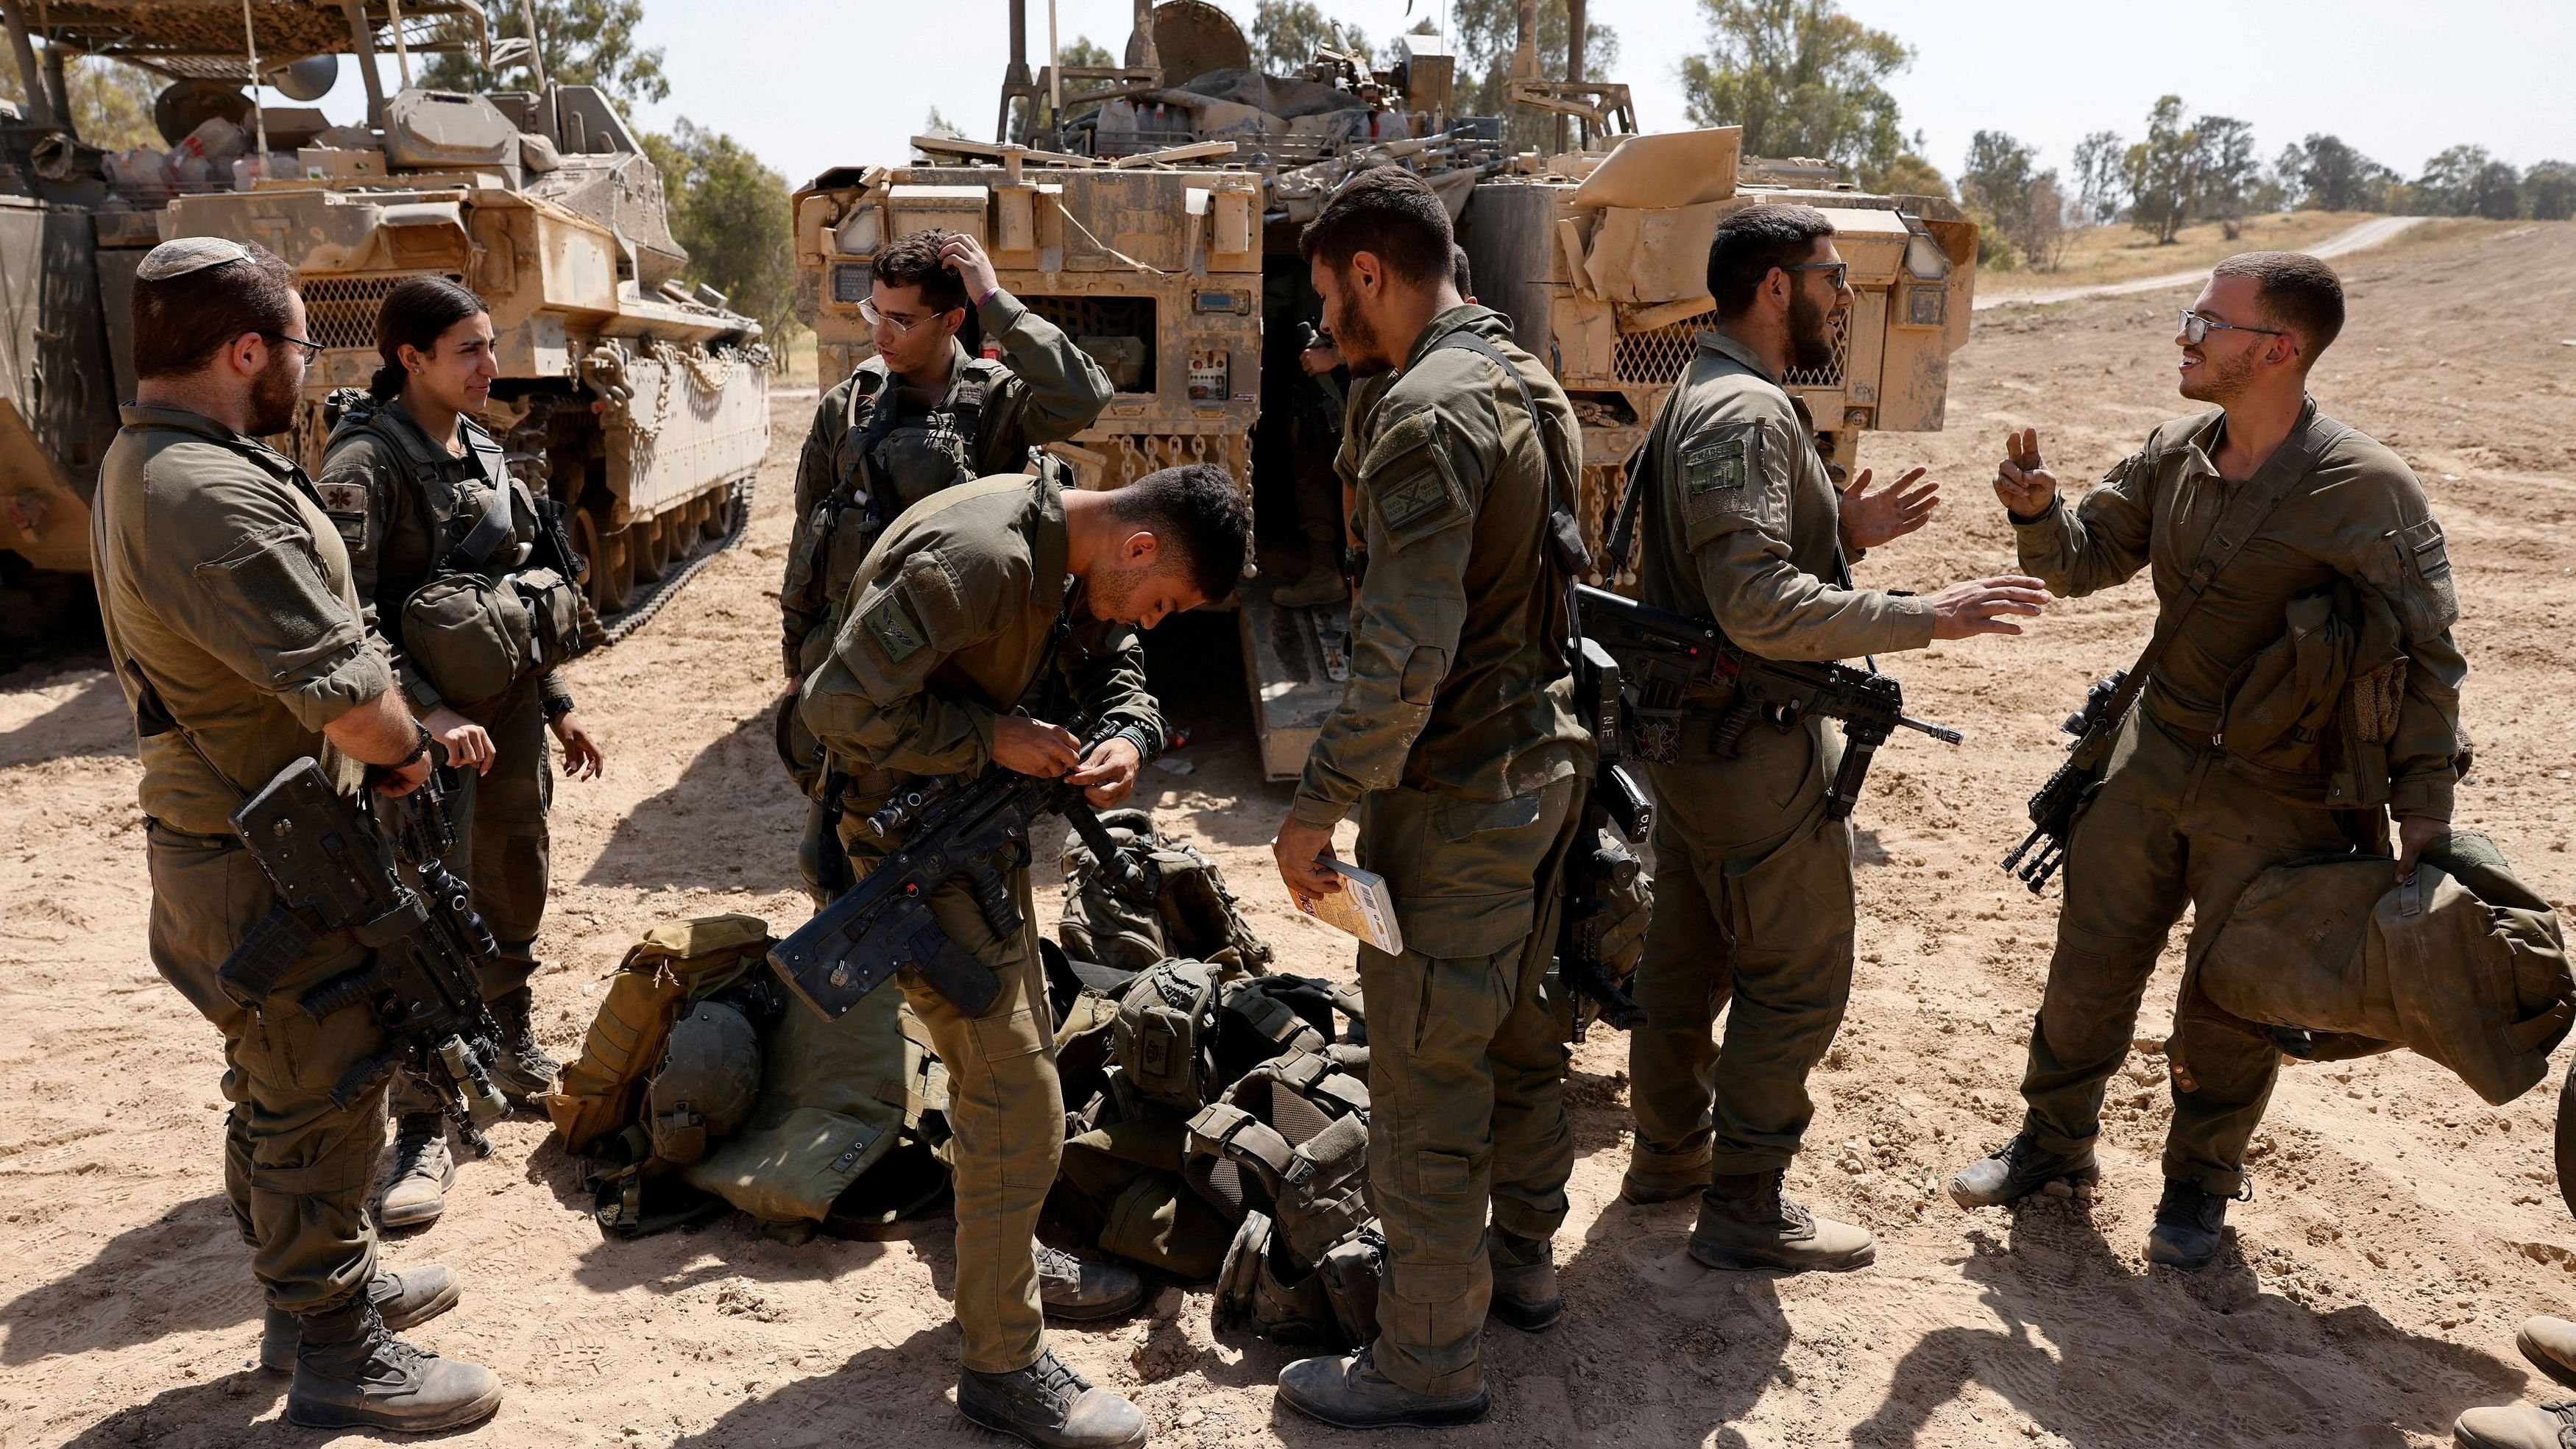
[[1943, 733]]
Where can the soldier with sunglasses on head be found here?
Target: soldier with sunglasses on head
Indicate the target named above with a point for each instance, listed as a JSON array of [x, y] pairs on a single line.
[[918, 416]]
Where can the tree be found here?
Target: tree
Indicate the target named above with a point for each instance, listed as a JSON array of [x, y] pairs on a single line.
[[2043, 229], [2163, 172], [1907, 175], [1994, 185], [1082, 51], [1484, 33], [2327, 175], [2466, 181], [581, 42], [731, 213], [1801, 78], [2549, 191], [111, 101], [2097, 179], [1287, 33], [2230, 175]]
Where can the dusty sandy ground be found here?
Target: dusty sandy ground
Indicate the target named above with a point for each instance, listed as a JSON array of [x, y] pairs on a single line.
[[2399, 1228]]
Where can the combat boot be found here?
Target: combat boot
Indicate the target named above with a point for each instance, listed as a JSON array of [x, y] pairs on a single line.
[[415, 1188], [1525, 1293], [402, 1299], [523, 1069], [1744, 1222], [1321, 585], [2550, 1344], [2022, 1167], [2189, 1226], [1348, 1392], [352, 1374], [1647, 1181], [1051, 1406], [2517, 1426], [1078, 1289]]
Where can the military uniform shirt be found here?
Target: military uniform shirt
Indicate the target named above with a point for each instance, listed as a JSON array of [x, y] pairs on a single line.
[[2359, 514], [223, 581], [947, 630], [1053, 391], [1757, 547], [1457, 682]]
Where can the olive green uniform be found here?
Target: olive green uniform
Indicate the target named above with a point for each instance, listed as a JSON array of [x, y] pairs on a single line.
[[401, 502], [235, 632], [1457, 743], [851, 482], [2171, 825], [1753, 884], [949, 628]]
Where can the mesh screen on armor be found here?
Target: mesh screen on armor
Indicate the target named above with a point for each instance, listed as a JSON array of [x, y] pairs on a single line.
[[341, 311], [1657, 357]]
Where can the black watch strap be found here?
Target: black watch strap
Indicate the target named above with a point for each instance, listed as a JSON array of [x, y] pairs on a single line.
[[556, 708]]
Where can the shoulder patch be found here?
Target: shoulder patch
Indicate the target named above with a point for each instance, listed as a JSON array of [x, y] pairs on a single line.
[[340, 495], [1408, 478], [1724, 475], [891, 623]]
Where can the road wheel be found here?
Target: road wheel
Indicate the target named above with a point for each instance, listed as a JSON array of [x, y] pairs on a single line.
[[612, 577], [714, 514], [652, 549]]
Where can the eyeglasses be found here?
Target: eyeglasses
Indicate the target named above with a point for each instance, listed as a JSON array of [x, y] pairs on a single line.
[[2196, 328], [312, 350], [1841, 271], [900, 326]]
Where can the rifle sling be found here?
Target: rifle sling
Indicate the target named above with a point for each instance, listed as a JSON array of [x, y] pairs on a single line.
[[2245, 513]]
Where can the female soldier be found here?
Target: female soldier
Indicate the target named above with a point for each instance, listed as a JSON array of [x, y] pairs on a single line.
[[446, 550]]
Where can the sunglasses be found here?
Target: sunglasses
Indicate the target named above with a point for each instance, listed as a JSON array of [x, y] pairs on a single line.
[[312, 350], [1841, 271]]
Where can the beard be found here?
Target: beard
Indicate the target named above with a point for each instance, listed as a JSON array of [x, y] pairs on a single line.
[[1106, 597], [2214, 381], [274, 395], [1358, 342], [1811, 334]]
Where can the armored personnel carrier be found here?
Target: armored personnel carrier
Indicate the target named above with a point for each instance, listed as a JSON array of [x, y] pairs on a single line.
[[640, 407], [1152, 211]]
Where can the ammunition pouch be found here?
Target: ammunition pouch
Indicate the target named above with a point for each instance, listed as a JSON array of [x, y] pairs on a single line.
[[1164, 1037]]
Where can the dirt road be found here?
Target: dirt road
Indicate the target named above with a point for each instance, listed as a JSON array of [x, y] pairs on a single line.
[[2398, 1229], [2368, 234]]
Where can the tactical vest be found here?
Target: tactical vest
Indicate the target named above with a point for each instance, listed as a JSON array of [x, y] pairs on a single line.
[[1185, 909], [1286, 1153], [886, 462], [489, 614]]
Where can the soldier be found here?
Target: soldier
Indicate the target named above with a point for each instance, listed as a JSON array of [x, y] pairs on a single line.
[[409, 479], [236, 634], [917, 417], [1753, 881], [1457, 745], [2236, 511], [1013, 591]]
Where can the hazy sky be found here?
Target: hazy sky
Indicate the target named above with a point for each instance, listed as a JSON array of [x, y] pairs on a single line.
[[810, 84]]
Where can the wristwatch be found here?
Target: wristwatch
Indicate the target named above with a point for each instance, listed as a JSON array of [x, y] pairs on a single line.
[[556, 708]]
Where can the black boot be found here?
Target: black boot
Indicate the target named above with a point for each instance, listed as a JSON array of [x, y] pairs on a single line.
[[524, 1069], [1078, 1289], [413, 1295], [1049, 1405], [2189, 1226], [352, 1374]]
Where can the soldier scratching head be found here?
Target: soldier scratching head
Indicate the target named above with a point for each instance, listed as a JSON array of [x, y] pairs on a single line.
[[1172, 540], [916, 303], [436, 341], [1778, 283], [2258, 327], [219, 331], [1380, 257]]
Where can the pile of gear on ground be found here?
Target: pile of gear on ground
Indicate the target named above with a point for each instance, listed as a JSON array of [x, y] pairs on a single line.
[[1216, 1122]]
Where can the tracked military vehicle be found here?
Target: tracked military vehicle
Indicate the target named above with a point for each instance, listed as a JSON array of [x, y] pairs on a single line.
[[641, 407], [1152, 211]]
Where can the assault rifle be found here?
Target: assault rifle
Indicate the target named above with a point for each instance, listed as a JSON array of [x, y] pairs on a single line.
[[1602, 875], [340, 870], [975, 829], [2053, 809], [1662, 654]]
